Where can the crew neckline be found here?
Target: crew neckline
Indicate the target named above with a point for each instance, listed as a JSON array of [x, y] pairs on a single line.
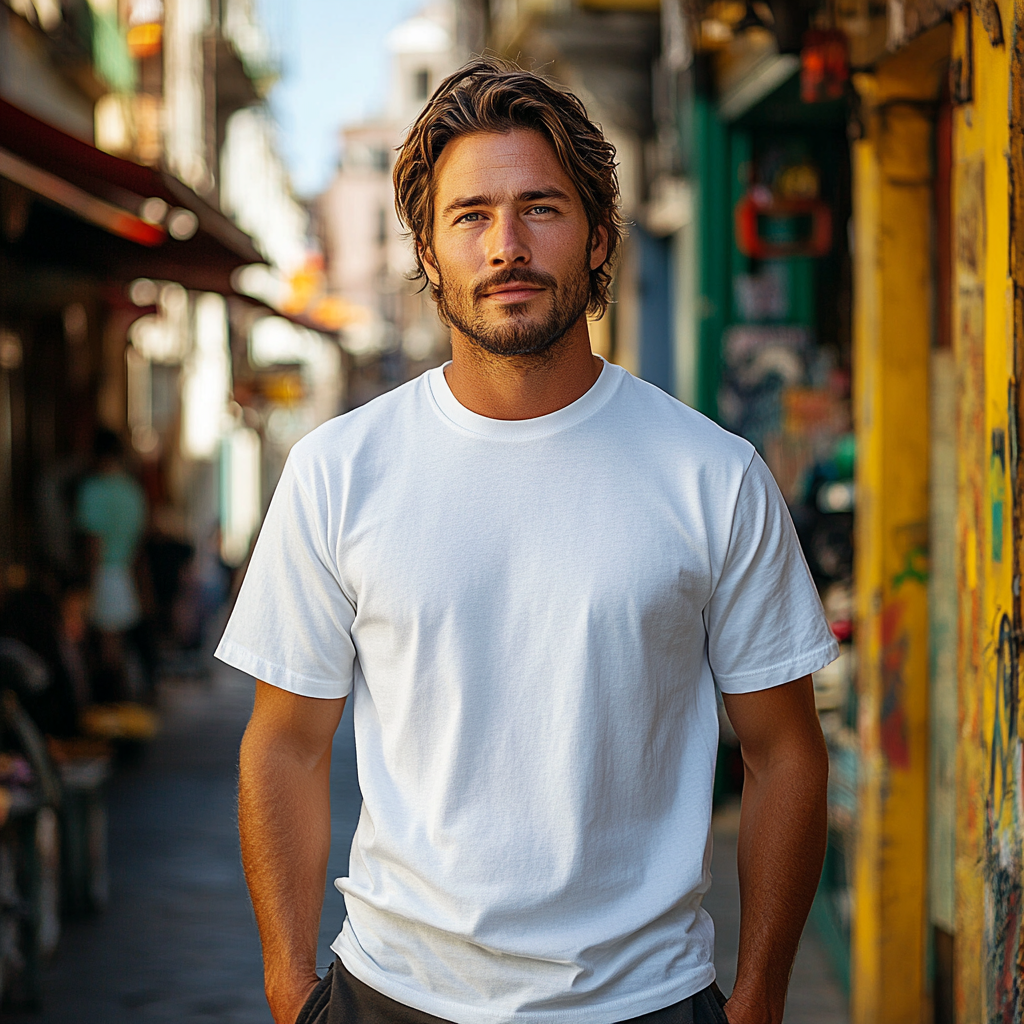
[[452, 410]]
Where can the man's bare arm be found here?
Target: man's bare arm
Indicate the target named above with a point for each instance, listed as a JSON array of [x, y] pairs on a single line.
[[284, 822], [781, 842]]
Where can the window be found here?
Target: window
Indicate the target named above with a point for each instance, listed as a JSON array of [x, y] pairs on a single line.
[[421, 84]]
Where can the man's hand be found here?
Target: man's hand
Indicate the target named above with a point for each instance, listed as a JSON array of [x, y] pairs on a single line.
[[783, 824], [284, 822], [286, 1000]]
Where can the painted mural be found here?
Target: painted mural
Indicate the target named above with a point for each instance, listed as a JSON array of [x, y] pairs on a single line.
[[991, 750]]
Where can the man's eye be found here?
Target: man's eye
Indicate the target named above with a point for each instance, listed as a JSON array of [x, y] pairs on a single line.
[[468, 218], [542, 209]]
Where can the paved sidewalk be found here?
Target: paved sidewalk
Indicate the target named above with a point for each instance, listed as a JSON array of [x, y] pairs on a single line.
[[815, 997], [178, 942]]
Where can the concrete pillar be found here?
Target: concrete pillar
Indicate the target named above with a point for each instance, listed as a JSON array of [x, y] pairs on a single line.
[[893, 286]]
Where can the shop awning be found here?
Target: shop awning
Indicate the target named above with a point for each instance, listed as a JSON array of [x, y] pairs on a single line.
[[111, 216]]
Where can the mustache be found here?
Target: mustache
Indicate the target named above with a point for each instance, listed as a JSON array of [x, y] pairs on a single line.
[[515, 275]]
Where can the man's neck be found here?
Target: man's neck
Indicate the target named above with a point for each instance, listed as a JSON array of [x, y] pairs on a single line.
[[522, 387]]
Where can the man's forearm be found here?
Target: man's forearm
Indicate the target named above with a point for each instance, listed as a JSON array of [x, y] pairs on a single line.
[[783, 825], [284, 819]]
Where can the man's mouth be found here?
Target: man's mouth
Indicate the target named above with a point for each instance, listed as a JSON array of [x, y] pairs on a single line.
[[515, 292]]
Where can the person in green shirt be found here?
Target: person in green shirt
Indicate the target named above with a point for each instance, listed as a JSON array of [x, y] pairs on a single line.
[[112, 513]]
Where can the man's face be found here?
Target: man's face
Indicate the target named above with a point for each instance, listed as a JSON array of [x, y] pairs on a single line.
[[512, 251]]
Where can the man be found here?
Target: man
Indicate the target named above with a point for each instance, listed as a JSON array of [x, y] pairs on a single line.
[[529, 569]]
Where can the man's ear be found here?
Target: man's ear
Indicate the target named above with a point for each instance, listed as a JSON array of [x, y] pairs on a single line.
[[429, 266], [598, 246]]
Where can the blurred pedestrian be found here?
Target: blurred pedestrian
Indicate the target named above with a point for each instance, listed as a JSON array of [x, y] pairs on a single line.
[[529, 569], [112, 513], [168, 554]]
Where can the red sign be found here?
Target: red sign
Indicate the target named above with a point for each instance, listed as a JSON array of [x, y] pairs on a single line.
[[824, 65]]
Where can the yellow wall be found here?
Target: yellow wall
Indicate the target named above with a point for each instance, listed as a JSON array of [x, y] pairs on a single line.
[[989, 820], [893, 294], [893, 168]]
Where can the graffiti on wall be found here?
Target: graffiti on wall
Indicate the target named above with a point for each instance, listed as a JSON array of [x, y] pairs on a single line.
[[997, 491], [914, 568], [1002, 826], [990, 769], [1004, 745], [910, 543]]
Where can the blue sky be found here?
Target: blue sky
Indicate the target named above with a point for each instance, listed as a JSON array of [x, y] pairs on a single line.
[[334, 72]]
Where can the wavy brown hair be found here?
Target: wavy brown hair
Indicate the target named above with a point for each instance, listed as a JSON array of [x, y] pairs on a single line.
[[494, 95]]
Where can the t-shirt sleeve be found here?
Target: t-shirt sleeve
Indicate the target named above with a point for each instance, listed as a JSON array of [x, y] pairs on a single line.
[[291, 625], [764, 621]]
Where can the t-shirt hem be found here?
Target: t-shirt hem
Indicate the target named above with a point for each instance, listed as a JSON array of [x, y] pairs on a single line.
[[778, 675], [611, 1012], [277, 675]]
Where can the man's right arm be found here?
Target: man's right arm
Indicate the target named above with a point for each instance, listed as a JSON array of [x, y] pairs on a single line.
[[284, 821]]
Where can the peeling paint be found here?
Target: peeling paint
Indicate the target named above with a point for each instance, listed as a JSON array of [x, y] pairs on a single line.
[[988, 14]]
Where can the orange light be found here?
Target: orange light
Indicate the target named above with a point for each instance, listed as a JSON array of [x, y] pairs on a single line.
[[332, 312], [303, 286], [824, 65], [285, 388], [145, 40]]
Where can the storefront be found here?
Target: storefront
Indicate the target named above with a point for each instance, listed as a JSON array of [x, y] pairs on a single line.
[[904, 327], [77, 227], [770, 168], [938, 185]]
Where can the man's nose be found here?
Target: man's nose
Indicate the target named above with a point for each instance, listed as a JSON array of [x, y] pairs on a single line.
[[506, 242]]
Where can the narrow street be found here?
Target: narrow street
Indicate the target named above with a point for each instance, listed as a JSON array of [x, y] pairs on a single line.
[[178, 942]]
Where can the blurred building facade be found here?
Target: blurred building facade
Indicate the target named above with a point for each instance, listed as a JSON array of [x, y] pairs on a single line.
[[189, 315], [394, 332], [158, 280], [826, 255]]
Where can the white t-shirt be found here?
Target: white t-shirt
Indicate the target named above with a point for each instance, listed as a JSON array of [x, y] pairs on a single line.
[[531, 616]]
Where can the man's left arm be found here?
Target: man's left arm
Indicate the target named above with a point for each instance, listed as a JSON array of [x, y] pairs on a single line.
[[781, 840]]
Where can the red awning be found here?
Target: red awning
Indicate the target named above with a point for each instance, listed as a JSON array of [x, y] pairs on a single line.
[[151, 225]]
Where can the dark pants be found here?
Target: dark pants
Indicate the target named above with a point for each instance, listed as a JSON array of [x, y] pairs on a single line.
[[343, 999]]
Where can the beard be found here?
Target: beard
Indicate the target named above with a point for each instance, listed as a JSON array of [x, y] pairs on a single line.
[[512, 330]]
